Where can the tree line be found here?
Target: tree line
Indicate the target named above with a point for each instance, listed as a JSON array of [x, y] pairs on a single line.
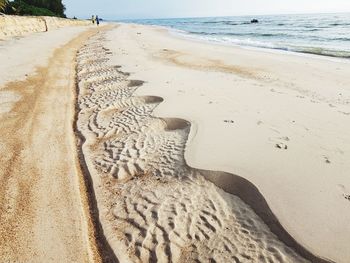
[[33, 7]]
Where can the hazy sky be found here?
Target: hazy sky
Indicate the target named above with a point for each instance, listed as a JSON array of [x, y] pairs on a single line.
[[119, 9]]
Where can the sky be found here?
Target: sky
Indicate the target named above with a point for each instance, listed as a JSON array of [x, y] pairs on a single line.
[[132, 9]]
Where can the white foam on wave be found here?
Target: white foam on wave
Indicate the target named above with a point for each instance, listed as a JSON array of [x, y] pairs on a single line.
[[254, 45]]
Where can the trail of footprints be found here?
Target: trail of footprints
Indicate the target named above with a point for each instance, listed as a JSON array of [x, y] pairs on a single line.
[[160, 209]]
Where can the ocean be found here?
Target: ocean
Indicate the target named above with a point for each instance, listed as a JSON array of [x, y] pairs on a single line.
[[320, 34]]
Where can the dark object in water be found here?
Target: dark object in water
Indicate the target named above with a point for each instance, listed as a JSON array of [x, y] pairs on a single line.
[[253, 21]]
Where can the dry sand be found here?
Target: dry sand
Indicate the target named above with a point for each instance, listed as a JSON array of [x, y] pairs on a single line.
[[156, 118], [44, 210], [277, 120], [280, 121], [153, 207]]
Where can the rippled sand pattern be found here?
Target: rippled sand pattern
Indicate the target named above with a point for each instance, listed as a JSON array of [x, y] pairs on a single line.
[[153, 206]]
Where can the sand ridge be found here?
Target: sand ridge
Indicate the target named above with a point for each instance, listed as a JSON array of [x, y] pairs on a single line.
[[237, 123], [153, 206]]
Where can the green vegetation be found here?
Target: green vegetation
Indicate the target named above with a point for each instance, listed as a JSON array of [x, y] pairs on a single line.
[[3, 4], [22, 8], [55, 6], [35, 7]]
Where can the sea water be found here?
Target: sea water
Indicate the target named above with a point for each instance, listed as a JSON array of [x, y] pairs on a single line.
[[321, 34]]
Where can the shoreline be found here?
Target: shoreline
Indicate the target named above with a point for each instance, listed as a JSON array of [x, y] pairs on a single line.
[[192, 37]]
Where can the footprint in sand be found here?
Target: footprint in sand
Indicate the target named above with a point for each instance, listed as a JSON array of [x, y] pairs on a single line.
[[345, 113], [281, 146], [326, 159], [229, 121], [285, 138], [280, 142]]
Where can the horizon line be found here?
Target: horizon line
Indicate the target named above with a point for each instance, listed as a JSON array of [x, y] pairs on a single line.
[[245, 15]]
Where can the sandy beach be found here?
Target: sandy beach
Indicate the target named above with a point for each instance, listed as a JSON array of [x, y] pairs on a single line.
[[131, 144], [277, 120]]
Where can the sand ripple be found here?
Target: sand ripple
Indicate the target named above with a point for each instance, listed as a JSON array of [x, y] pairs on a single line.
[[154, 207]]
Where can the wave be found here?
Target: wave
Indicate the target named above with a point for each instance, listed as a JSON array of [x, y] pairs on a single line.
[[313, 30], [235, 23], [231, 23], [239, 34], [324, 52], [340, 24], [342, 39], [277, 46], [319, 34]]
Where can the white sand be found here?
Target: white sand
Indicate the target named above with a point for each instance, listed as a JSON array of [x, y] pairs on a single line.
[[153, 207], [241, 104]]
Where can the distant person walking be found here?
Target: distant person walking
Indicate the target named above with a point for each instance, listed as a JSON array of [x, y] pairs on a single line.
[[97, 20], [93, 19]]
